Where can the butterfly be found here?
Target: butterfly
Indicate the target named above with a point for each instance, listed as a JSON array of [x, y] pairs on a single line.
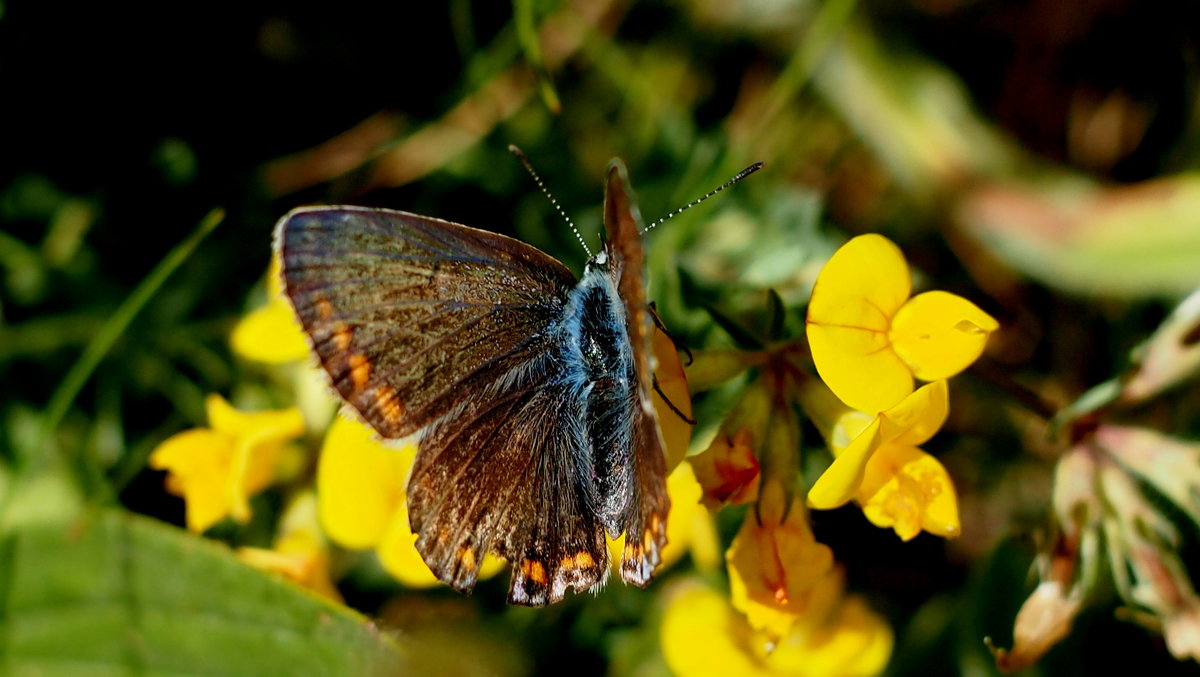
[[529, 389]]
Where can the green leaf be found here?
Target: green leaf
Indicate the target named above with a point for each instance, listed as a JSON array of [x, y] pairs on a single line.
[[741, 336], [527, 36], [118, 594], [1126, 241]]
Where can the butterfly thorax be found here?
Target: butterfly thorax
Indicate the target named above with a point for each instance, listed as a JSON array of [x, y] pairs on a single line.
[[596, 322]]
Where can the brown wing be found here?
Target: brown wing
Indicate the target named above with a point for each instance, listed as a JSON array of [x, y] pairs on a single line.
[[412, 315], [645, 526], [500, 476]]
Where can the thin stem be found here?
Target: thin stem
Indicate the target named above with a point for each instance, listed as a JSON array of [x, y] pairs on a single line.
[[1031, 400], [64, 396]]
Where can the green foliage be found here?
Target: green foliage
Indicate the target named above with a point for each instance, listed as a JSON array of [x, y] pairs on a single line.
[[110, 593]]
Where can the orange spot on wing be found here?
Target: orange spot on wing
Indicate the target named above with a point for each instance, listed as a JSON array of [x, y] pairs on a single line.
[[389, 405], [360, 370], [580, 560], [466, 557], [534, 571], [342, 335], [324, 309]]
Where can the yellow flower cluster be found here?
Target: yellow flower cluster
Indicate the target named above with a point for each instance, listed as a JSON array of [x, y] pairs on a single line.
[[869, 342]]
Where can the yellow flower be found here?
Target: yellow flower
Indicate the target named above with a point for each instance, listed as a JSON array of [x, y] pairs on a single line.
[[878, 463], [217, 469], [270, 333], [909, 491], [300, 552], [702, 635], [728, 470], [774, 563], [869, 339], [362, 501]]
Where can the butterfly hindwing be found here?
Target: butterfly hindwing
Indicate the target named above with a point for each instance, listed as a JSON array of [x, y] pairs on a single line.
[[646, 515], [501, 478]]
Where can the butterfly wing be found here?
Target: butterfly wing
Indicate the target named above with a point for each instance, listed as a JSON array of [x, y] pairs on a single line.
[[409, 314], [427, 325], [645, 525], [499, 476]]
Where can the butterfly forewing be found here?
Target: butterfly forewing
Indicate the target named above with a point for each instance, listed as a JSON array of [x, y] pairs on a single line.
[[405, 312]]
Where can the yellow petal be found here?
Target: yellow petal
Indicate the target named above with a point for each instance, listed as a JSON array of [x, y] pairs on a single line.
[[275, 277], [854, 299], [908, 490], [199, 464], [938, 334], [300, 552], [919, 416], [685, 493], [270, 334], [399, 556], [703, 636], [676, 432], [360, 484], [856, 641], [842, 478], [773, 568], [261, 425]]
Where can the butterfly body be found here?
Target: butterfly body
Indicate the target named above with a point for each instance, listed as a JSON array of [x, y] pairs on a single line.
[[530, 391]]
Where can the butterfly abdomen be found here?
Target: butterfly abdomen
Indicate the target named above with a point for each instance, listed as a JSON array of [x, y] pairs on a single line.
[[599, 337]]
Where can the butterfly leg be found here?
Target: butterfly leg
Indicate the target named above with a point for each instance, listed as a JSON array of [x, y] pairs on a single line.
[[677, 342]]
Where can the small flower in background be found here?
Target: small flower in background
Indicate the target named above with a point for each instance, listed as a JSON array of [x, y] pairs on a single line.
[[728, 470], [869, 339], [217, 469], [703, 634], [270, 332], [271, 335], [300, 552], [774, 563], [1169, 356], [1134, 491]]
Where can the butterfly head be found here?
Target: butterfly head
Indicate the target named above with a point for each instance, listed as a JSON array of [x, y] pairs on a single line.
[[599, 262]]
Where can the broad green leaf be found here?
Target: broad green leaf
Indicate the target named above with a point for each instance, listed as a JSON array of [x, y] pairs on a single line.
[[117, 594], [1127, 241]]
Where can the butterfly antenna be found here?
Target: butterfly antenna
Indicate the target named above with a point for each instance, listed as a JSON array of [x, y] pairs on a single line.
[[737, 177], [537, 179]]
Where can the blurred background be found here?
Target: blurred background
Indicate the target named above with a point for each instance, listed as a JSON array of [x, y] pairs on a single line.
[[1036, 157]]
